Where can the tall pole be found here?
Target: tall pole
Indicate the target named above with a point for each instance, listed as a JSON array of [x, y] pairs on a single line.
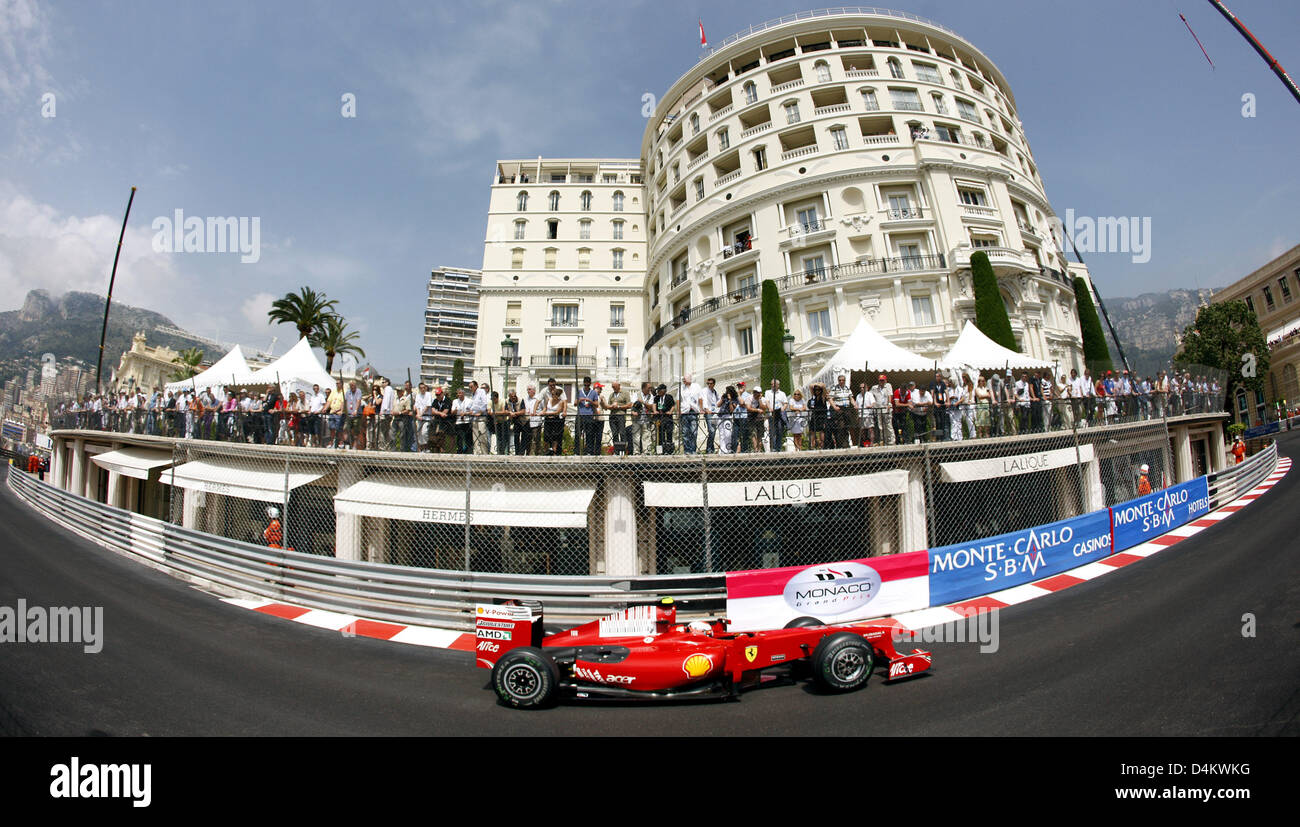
[[1259, 48], [99, 365], [1101, 305]]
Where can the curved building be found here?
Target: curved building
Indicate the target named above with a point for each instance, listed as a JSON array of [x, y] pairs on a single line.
[[857, 159]]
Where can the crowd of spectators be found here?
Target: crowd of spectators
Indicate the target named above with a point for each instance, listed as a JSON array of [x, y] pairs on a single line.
[[656, 419]]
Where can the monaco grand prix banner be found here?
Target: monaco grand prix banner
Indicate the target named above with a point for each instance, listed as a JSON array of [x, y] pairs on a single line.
[[978, 567], [1137, 521], [830, 592]]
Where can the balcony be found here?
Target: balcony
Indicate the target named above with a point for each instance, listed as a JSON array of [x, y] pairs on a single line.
[[908, 106], [737, 248], [862, 73], [556, 360], [870, 267], [793, 84], [705, 308], [832, 109], [754, 130], [800, 152], [615, 364], [722, 113], [728, 178], [904, 214], [978, 211], [880, 140], [998, 256]]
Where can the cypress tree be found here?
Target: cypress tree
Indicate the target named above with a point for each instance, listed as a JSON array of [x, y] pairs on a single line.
[[1096, 354], [990, 312], [773, 363], [457, 376]]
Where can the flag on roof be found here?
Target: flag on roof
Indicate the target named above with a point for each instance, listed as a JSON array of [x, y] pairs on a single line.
[[703, 40]]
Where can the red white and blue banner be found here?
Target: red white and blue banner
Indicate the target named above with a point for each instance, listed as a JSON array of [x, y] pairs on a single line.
[[966, 570], [831, 592], [1137, 521]]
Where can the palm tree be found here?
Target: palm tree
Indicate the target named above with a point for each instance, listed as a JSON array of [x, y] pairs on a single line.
[[305, 310], [334, 338], [189, 359]]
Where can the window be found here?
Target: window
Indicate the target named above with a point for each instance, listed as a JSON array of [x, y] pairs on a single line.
[[906, 99], [521, 202], [724, 140], [618, 201], [1250, 305], [745, 341], [966, 110], [823, 72], [681, 270], [616, 315], [819, 322], [972, 197], [978, 241], [695, 123], [618, 230], [519, 229], [617, 355], [514, 312], [751, 92], [618, 259], [1286, 289], [869, 99], [584, 228], [956, 78], [922, 311], [760, 159], [557, 177], [1268, 297], [814, 266], [582, 177], [938, 103], [584, 258], [792, 112], [951, 134], [554, 200], [840, 137], [609, 178], [895, 68], [807, 218], [553, 228], [699, 189], [550, 258], [585, 199], [911, 256], [517, 258], [564, 315], [927, 72]]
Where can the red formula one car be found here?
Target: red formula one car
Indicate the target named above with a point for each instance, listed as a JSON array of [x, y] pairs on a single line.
[[643, 653]]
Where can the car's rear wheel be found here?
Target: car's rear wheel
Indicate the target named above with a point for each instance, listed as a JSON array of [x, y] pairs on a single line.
[[526, 678], [842, 662], [803, 623]]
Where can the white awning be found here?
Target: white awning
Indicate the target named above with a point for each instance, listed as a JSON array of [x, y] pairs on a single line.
[[132, 462], [235, 480], [1006, 466], [775, 492], [403, 499]]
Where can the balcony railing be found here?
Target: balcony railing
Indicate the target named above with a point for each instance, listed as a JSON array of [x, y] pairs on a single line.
[[722, 112], [862, 73], [728, 178], [879, 140], [832, 109], [754, 130], [684, 317], [564, 321], [908, 106], [680, 278], [799, 152], [790, 84], [562, 360], [876, 266], [737, 248], [815, 226], [905, 213]]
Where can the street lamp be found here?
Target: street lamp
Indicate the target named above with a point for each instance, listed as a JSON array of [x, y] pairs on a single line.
[[509, 349]]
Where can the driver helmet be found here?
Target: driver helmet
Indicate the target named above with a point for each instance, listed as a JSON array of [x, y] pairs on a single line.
[[272, 512], [700, 627], [666, 611]]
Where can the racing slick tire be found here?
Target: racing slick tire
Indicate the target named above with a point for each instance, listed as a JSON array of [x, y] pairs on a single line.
[[526, 678], [803, 623], [842, 662]]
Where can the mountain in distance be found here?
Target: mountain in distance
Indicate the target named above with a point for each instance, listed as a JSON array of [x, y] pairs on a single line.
[[69, 327], [1149, 326]]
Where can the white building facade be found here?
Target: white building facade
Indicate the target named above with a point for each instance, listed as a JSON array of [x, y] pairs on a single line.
[[856, 159]]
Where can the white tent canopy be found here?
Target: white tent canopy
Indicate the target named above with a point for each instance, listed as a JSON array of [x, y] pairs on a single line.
[[221, 374], [975, 350], [296, 370], [867, 348]]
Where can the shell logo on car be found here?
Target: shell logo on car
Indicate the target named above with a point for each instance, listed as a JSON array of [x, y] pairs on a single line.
[[697, 665]]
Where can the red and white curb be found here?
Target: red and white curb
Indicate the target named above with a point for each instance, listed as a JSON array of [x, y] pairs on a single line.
[[351, 626]]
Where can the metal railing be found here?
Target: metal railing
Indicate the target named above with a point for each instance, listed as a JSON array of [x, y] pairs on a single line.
[[400, 594]]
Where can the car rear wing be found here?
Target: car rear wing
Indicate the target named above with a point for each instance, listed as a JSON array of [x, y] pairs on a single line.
[[498, 628]]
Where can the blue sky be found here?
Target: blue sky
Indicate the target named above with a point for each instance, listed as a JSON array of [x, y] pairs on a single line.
[[234, 109]]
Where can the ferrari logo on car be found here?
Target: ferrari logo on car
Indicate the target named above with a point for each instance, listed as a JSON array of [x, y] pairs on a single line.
[[697, 665], [751, 652]]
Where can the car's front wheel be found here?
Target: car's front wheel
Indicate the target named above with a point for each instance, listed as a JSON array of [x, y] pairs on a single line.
[[526, 678], [842, 662]]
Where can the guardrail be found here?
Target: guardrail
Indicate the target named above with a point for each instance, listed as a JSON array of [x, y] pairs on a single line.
[[1226, 486], [400, 594]]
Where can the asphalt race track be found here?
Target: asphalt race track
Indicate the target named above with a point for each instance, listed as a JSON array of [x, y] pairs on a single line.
[[1155, 648]]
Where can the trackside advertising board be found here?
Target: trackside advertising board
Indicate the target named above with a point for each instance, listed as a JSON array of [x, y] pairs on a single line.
[[1137, 521], [830, 592], [976, 568]]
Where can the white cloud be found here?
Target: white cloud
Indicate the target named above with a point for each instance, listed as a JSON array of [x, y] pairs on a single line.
[[40, 247], [255, 309]]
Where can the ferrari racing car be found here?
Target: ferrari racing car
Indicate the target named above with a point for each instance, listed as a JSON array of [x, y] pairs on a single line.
[[643, 653]]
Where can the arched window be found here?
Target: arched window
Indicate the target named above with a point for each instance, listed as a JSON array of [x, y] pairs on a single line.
[[751, 92], [555, 200], [618, 230], [895, 68], [956, 78], [585, 198], [618, 201], [724, 140], [823, 71], [521, 202], [869, 101], [695, 123], [520, 227]]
